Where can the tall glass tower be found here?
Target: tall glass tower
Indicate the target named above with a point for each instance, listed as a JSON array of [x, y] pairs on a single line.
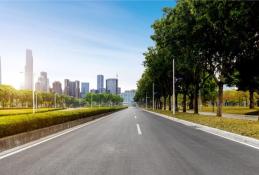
[[28, 83]]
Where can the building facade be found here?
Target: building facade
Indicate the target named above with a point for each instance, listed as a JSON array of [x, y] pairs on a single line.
[[42, 83], [128, 97], [100, 83], [57, 87], [84, 89], [112, 85], [72, 88], [28, 79]]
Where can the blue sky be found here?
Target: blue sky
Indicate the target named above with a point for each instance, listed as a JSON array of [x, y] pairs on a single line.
[[77, 39]]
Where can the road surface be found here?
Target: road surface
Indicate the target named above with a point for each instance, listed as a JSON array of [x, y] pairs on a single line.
[[134, 142]]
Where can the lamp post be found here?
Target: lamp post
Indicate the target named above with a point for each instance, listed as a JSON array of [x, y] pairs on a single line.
[[153, 96], [91, 100], [173, 90], [55, 98]]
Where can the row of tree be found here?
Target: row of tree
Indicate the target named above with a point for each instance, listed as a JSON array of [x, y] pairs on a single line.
[[102, 99], [12, 98], [213, 43]]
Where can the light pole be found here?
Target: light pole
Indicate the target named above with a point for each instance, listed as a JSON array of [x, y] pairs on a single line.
[[153, 96], [173, 90], [91, 100], [146, 100], [55, 98], [36, 101]]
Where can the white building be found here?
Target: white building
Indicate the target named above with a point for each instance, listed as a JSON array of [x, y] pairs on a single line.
[[128, 97]]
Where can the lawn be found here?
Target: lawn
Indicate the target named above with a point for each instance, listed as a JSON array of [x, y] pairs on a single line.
[[233, 110], [242, 127], [7, 112], [14, 124]]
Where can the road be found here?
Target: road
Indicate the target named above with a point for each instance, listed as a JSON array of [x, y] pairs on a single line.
[[134, 142]]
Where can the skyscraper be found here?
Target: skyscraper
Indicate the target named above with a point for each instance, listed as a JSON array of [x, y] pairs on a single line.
[[100, 86], [28, 83], [0, 71], [72, 88], [84, 89], [43, 83], [112, 85], [56, 87]]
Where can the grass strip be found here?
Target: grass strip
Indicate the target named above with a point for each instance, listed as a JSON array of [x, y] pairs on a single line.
[[10, 125], [233, 110], [242, 127]]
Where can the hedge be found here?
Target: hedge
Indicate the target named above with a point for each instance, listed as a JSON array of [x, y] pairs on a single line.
[[10, 125]]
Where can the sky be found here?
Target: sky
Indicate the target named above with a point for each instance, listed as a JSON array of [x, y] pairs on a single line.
[[77, 39]]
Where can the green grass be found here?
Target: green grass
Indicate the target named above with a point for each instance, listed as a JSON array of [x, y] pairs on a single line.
[[8, 112], [242, 127], [233, 110], [10, 125]]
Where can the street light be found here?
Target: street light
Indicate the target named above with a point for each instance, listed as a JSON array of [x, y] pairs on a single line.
[[55, 97], [153, 96], [173, 88], [91, 100]]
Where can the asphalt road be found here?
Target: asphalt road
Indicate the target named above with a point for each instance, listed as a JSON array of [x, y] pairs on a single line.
[[123, 144]]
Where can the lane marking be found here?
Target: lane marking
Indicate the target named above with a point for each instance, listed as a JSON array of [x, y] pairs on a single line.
[[139, 130], [135, 117], [21, 148]]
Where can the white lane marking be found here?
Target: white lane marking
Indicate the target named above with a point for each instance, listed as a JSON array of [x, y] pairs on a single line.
[[139, 130], [135, 117], [21, 148]]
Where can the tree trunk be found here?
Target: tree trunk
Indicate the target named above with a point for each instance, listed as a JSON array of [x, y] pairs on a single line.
[[170, 103], [164, 103], [251, 99], [191, 102], [176, 103], [220, 99], [184, 102], [196, 100]]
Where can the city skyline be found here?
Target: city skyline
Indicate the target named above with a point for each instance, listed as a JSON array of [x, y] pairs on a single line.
[[71, 48]]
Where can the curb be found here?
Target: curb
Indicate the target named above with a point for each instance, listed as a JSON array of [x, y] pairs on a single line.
[[248, 141]]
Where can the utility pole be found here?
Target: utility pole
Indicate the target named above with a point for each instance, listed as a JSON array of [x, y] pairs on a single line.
[[153, 96], [173, 90]]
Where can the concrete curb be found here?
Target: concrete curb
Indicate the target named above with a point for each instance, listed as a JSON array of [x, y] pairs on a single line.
[[248, 141], [10, 142]]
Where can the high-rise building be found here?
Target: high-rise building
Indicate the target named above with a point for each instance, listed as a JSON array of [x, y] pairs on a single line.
[[118, 90], [77, 89], [57, 87], [43, 83], [0, 71], [28, 83], [100, 83], [112, 85], [84, 89], [72, 88], [128, 97], [66, 87]]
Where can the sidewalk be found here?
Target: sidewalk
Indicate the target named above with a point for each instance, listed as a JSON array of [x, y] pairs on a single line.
[[233, 116]]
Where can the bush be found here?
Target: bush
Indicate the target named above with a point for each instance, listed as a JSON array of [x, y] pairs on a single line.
[[10, 125]]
